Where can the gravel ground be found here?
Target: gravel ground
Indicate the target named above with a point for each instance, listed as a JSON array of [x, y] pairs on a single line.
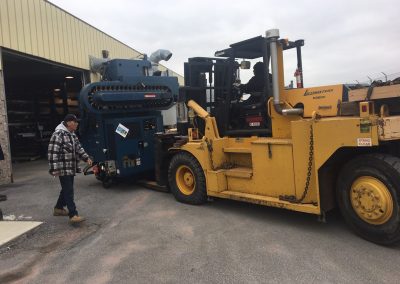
[[137, 235]]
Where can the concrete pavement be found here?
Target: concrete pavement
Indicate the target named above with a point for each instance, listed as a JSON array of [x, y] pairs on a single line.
[[136, 235]]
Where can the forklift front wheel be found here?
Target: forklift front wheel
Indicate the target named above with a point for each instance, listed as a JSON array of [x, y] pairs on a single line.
[[368, 192], [186, 179]]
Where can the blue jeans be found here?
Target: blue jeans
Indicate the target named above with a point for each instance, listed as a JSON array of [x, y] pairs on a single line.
[[66, 197]]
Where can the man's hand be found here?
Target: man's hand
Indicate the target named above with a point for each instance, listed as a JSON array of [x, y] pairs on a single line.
[[89, 162], [236, 85]]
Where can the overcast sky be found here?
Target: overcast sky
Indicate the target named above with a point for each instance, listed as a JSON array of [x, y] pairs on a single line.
[[344, 40]]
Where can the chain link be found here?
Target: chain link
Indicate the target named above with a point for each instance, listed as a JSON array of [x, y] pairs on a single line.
[[289, 198], [292, 198], [309, 169]]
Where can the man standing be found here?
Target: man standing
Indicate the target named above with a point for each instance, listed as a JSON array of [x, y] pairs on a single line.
[[64, 153]]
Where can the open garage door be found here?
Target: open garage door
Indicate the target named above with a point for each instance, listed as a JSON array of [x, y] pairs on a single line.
[[38, 95]]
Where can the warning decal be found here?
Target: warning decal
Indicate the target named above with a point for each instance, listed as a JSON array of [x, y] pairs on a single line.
[[364, 142]]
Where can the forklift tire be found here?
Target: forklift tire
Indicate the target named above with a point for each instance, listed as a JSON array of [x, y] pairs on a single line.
[[186, 179], [368, 195]]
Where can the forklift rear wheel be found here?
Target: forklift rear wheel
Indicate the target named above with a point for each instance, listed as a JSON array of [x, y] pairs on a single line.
[[368, 192], [186, 179]]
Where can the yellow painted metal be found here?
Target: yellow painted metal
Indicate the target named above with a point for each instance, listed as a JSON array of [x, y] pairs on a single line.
[[389, 128], [263, 169], [239, 160], [333, 133], [251, 169], [199, 150], [193, 134], [239, 172], [267, 201], [280, 124], [240, 142], [236, 150], [211, 129], [324, 99], [40, 28], [301, 154], [216, 181], [371, 200], [185, 180], [272, 161], [198, 109]]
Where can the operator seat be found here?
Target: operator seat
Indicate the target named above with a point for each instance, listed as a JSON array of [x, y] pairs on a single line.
[[256, 102], [252, 116]]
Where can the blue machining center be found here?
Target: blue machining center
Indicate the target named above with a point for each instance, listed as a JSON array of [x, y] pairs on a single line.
[[121, 114]]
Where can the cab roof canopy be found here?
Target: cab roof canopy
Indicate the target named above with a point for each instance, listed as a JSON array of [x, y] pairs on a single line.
[[253, 48]]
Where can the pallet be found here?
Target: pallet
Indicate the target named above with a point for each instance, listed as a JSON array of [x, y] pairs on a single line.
[[384, 92]]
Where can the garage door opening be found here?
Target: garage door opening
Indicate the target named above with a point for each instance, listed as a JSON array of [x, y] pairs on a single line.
[[38, 95]]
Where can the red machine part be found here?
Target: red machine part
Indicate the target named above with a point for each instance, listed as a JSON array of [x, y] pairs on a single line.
[[297, 74]]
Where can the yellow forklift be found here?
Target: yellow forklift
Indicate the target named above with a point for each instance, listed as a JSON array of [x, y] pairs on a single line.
[[302, 149]]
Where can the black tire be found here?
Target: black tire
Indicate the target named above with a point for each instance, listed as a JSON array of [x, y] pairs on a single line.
[[368, 195], [107, 183], [191, 190]]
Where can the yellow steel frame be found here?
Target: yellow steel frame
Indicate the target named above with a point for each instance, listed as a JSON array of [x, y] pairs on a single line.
[[265, 168], [261, 169]]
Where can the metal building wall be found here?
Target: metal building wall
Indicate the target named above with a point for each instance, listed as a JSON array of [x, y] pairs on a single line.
[[40, 28]]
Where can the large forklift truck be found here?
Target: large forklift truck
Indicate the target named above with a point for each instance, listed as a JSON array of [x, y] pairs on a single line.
[[312, 150]]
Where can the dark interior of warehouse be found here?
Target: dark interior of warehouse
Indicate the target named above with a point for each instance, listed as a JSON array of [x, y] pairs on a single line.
[[38, 95]]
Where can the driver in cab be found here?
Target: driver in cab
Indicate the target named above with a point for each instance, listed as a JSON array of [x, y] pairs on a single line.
[[255, 84]]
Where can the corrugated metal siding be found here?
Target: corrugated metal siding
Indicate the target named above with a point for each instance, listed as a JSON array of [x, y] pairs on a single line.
[[40, 28]]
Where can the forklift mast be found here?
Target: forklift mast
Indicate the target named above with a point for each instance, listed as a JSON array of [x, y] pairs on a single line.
[[209, 81]]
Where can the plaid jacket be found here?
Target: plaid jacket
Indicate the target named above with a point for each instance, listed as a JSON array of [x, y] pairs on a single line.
[[64, 152]]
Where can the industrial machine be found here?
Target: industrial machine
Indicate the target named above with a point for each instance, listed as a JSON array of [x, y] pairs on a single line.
[[302, 149], [121, 114]]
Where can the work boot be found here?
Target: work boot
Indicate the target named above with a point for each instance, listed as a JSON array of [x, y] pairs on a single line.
[[76, 219], [60, 212]]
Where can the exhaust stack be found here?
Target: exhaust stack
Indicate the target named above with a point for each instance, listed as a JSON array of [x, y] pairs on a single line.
[[273, 36]]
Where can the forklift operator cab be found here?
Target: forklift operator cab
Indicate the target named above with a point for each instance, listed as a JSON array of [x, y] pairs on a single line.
[[251, 108], [213, 84]]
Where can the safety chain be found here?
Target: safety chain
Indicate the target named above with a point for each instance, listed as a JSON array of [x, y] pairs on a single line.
[[292, 198], [310, 162]]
